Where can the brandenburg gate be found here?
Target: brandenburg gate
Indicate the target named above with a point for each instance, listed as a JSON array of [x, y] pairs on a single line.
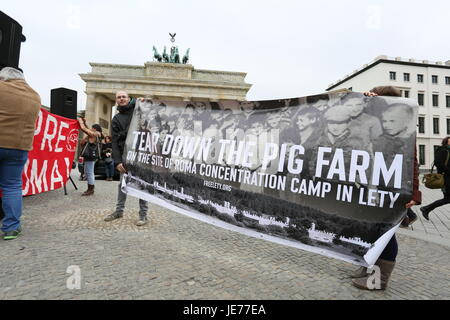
[[166, 78]]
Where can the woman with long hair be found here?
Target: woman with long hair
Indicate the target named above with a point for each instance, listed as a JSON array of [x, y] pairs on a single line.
[[90, 152], [442, 163]]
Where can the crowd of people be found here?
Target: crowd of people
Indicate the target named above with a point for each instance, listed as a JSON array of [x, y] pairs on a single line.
[[318, 122]]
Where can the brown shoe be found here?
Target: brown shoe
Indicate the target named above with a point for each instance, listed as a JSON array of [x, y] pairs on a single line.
[[386, 268], [360, 273], [109, 179], [89, 191], [113, 216]]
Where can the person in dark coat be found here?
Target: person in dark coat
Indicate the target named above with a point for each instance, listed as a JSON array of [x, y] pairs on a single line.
[[442, 162], [120, 125]]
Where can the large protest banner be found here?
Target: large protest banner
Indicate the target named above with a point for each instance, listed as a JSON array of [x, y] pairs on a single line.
[[50, 161], [329, 173]]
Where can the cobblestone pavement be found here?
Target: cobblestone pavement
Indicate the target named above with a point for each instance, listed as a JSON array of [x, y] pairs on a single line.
[[176, 257]]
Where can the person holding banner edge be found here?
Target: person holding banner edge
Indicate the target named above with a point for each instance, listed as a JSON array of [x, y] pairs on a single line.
[[120, 125], [19, 110], [386, 261], [91, 152]]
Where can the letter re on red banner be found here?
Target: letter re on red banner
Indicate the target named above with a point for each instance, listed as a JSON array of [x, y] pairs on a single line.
[[50, 161]]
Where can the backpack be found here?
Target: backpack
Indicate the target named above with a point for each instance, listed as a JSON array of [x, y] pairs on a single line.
[[91, 151]]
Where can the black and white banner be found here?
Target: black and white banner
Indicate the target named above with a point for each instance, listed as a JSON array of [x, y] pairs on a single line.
[[329, 173]]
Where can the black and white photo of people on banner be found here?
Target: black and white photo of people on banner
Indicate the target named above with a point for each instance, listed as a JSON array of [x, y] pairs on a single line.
[[329, 173]]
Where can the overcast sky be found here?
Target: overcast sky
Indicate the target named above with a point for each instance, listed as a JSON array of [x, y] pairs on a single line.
[[287, 48]]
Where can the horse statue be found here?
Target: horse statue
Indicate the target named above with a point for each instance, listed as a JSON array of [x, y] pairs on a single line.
[[172, 55], [177, 56], [156, 55], [165, 56], [186, 56]]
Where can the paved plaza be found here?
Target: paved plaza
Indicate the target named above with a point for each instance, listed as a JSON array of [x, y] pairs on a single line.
[[176, 257]]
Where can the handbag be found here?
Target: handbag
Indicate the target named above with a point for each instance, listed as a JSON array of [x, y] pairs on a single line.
[[435, 180], [91, 151]]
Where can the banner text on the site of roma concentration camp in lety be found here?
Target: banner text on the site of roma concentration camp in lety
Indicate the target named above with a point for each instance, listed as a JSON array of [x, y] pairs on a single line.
[[329, 173], [50, 161]]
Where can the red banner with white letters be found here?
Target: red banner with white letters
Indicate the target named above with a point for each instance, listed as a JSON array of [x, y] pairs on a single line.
[[50, 161]]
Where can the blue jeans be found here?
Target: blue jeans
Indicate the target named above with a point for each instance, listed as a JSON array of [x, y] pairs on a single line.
[[109, 169], [89, 171], [12, 162]]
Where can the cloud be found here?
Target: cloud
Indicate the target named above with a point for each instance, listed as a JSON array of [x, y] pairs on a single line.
[[287, 48]]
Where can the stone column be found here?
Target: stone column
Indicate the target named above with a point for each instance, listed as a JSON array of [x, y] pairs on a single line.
[[110, 115], [91, 112]]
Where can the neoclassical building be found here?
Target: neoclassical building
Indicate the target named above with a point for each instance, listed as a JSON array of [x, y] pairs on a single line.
[[156, 80]]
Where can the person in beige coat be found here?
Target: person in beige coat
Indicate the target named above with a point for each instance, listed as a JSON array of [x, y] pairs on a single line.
[[19, 109]]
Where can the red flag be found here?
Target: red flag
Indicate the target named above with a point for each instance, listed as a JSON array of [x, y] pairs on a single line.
[[49, 163]]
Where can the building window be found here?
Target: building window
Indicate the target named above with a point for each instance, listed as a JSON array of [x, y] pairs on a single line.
[[392, 75], [434, 79], [435, 148], [420, 99], [422, 124], [447, 80], [420, 78], [436, 125], [406, 77], [447, 101], [435, 100], [406, 93], [421, 154], [448, 126]]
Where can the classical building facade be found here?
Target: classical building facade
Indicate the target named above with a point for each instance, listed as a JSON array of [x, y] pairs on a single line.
[[156, 80], [425, 81]]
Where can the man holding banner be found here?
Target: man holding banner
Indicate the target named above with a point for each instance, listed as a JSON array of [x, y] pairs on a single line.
[[120, 125], [19, 109]]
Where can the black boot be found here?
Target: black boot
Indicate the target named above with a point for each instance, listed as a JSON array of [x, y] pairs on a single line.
[[425, 212]]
